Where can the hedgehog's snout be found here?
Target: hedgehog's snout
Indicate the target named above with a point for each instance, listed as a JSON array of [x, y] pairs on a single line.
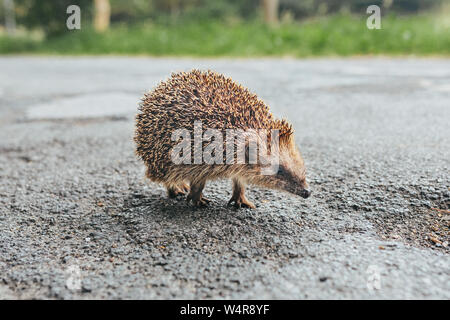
[[305, 193]]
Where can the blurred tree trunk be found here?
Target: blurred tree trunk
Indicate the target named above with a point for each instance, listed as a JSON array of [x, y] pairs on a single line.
[[174, 7], [10, 16], [387, 3], [102, 15], [270, 8]]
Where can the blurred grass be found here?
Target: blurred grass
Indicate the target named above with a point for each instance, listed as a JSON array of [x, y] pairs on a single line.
[[331, 35]]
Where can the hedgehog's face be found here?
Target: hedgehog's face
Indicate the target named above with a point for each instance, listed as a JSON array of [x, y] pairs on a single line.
[[291, 173], [288, 174]]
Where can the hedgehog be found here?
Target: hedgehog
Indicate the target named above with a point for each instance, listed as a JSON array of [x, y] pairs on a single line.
[[216, 102]]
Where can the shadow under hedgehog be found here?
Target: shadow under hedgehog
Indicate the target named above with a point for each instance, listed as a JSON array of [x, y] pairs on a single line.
[[216, 102]]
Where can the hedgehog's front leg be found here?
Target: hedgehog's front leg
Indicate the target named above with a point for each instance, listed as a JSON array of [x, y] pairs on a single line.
[[238, 198], [196, 194]]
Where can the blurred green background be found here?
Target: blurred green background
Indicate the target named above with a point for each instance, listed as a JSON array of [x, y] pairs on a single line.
[[246, 28]]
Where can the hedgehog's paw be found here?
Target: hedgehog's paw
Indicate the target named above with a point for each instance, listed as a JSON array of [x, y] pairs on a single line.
[[203, 202], [241, 201], [177, 190], [198, 201], [174, 192]]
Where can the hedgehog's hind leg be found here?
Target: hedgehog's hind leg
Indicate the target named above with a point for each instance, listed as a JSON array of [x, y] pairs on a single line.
[[175, 190], [238, 198], [196, 194]]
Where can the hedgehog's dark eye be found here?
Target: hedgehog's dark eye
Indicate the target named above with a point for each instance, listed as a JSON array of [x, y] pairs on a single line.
[[281, 171]]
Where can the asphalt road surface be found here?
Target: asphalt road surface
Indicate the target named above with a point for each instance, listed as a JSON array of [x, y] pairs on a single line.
[[78, 219]]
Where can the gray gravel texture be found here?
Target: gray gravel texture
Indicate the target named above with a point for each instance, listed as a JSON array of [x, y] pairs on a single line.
[[78, 219]]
